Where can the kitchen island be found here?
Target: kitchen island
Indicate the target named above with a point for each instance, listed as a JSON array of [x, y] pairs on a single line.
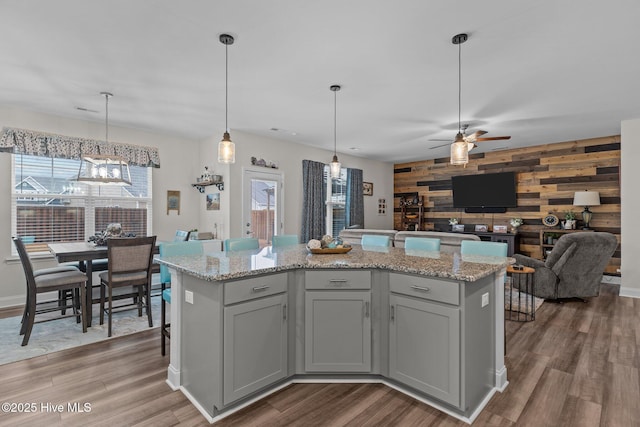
[[429, 324]]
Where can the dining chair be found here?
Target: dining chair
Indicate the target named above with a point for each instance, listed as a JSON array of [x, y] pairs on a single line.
[[284, 240], [241, 244], [375, 240], [479, 247], [191, 247], [52, 280], [130, 270], [422, 243], [181, 236]]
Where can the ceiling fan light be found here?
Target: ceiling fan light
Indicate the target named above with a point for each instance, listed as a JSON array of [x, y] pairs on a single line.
[[459, 153]]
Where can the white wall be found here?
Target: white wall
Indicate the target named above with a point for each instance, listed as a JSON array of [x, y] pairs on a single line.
[[630, 200], [289, 156], [178, 160]]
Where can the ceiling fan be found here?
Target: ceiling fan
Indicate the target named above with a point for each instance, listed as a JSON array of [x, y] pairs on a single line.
[[463, 142], [470, 139]]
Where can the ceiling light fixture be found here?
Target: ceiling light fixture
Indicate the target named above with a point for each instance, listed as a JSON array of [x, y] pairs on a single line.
[[459, 148], [335, 164], [226, 148], [100, 169]]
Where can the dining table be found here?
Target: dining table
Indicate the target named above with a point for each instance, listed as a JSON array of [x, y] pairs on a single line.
[[84, 252]]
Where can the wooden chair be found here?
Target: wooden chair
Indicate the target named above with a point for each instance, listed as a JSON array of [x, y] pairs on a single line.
[[422, 243], [192, 247], [130, 268], [284, 240], [241, 244], [50, 280]]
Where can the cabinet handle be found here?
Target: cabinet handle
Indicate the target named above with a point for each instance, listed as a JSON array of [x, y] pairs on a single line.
[[420, 288], [366, 309], [393, 313], [284, 312], [260, 288]]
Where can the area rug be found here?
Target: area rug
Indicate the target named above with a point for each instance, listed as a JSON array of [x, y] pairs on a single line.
[[520, 302], [65, 333]]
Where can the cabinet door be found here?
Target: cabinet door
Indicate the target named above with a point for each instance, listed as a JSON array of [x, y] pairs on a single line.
[[255, 345], [424, 347], [337, 331]]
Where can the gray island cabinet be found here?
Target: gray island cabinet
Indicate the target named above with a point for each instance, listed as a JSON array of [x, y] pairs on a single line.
[[247, 324]]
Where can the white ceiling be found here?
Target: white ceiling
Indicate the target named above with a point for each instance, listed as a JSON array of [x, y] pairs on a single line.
[[541, 71]]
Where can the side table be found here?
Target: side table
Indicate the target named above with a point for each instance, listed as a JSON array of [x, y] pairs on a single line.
[[521, 308]]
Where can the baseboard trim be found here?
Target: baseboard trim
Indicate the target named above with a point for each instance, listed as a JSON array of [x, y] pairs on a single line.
[[629, 292]]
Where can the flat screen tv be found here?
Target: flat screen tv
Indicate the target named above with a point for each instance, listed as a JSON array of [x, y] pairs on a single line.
[[485, 193]]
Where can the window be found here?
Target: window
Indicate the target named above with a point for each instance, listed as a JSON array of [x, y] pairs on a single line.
[[49, 205], [336, 201]]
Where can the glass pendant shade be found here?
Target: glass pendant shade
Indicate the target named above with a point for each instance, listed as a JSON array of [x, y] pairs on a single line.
[[226, 150], [335, 168]]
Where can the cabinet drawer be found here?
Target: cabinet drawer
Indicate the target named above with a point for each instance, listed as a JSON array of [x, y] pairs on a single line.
[[337, 279], [425, 287], [257, 287]]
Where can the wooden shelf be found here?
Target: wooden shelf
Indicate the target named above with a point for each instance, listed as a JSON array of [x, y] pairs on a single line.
[[410, 208], [201, 185]]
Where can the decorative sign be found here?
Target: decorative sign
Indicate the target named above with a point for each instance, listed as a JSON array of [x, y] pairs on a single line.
[[382, 206], [173, 201]]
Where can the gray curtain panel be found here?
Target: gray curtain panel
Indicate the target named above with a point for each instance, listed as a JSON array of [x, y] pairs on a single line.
[[313, 201], [354, 206]]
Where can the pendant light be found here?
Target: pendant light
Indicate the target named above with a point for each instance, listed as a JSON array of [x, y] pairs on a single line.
[[226, 148], [335, 164], [459, 148], [101, 169]]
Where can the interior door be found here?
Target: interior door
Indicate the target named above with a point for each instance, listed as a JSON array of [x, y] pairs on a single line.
[[262, 204]]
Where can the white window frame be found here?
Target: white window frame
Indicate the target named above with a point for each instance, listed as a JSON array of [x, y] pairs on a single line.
[[92, 199]]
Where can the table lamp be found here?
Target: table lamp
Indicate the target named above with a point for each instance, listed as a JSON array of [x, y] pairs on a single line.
[[586, 199]]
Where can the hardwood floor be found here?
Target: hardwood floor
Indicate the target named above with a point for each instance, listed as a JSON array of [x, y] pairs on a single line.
[[577, 364]]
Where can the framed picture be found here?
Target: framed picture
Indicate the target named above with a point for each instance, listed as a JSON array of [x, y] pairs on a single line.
[[457, 228], [482, 227], [173, 201], [367, 188], [213, 202], [499, 228]]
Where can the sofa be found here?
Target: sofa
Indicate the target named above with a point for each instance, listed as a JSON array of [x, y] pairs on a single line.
[[353, 236], [449, 242]]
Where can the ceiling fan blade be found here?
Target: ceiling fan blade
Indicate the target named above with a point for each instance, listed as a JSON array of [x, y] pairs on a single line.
[[441, 139], [478, 133], [493, 138], [438, 146]]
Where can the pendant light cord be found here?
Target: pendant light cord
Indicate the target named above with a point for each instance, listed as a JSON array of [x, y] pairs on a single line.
[[226, 87], [459, 85], [106, 118], [335, 122]]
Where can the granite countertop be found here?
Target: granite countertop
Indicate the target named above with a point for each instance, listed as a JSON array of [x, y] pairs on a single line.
[[221, 266]]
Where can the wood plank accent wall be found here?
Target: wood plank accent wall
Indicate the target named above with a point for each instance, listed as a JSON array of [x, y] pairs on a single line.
[[547, 176]]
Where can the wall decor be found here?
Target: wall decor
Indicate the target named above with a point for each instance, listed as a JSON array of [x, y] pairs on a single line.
[[382, 206], [173, 201], [213, 202], [367, 189], [264, 163]]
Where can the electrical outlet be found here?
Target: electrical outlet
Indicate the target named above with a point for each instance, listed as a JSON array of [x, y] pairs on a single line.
[[485, 299], [188, 297]]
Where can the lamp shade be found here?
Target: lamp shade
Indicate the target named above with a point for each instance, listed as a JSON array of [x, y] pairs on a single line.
[[586, 198]]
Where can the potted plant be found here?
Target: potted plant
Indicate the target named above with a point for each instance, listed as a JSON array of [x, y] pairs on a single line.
[[515, 223], [570, 220]]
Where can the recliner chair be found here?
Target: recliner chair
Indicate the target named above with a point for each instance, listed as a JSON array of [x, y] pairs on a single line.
[[574, 268]]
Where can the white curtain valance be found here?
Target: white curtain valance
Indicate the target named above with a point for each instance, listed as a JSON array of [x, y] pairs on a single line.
[[34, 143]]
